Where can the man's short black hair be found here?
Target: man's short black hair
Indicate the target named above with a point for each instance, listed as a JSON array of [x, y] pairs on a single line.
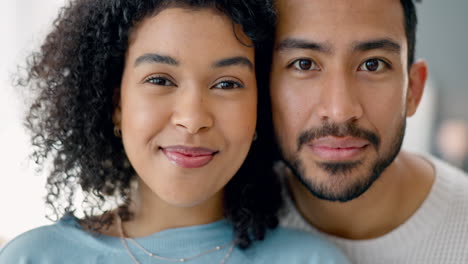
[[411, 21]]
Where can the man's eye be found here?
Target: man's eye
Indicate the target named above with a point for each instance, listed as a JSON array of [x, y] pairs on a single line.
[[228, 85], [373, 65], [159, 81], [304, 65]]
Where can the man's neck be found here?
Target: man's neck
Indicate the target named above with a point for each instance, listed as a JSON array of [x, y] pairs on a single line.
[[390, 201]]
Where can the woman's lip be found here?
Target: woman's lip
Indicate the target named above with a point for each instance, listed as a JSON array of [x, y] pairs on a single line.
[[338, 149], [189, 157], [190, 151]]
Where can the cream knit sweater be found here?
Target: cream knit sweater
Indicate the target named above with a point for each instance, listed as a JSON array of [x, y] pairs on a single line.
[[437, 233]]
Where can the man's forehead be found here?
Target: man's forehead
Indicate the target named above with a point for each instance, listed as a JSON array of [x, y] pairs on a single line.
[[327, 20], [348, 5]]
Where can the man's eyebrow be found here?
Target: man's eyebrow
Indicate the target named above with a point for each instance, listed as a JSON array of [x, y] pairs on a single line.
[[385, 44], [156, 58], [238, 60], [296, 43]]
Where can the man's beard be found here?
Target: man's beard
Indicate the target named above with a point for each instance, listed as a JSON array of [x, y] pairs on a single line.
[[337, 170]]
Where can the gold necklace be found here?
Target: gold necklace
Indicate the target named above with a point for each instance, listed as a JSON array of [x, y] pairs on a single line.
[[124, 239]]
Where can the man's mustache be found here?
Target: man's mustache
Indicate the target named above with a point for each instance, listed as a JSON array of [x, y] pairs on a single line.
[[349, 129]]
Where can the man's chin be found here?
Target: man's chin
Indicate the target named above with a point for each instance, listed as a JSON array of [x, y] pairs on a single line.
[[341, 182], [339, 168]]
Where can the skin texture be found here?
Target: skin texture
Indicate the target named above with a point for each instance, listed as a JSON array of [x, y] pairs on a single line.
[[191, 101], [341, 91]]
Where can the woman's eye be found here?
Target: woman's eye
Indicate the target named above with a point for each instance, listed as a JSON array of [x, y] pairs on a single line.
[[228, 85], [373, 65], [159, 81], [304, 65]]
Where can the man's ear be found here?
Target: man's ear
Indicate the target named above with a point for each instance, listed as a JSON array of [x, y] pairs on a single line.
[[417, 81]]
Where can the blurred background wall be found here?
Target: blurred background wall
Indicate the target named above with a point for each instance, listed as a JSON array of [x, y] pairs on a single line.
[[443, 42], [440, 126]]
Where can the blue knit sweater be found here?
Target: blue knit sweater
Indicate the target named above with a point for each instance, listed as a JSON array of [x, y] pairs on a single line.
[[67, 242]]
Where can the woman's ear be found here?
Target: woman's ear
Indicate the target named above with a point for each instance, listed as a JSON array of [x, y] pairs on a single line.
[[117, 116], [117, 112], [417, 81]]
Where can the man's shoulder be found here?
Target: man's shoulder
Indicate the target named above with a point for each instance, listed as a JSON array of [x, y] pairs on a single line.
[[454, 178], [297, 247]]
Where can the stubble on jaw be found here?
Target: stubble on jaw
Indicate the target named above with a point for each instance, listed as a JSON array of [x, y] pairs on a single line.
[[338, 187]]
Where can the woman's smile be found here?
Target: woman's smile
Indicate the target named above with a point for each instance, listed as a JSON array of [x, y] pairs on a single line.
[[189, 157]]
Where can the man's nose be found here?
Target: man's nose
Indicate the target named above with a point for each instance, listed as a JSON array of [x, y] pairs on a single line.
[[339, 99]]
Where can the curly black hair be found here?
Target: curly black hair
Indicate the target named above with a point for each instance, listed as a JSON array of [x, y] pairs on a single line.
[[74, 77]]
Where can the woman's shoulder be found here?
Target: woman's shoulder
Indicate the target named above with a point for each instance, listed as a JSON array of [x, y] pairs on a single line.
[[37, 242], [44, 243], [285, 245]]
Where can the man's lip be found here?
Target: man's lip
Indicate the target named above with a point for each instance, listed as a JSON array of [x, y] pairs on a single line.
[[338, 148], [339, 142], [189, 157]]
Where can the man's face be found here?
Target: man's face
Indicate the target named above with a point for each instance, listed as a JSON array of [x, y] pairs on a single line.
[[339, 87]]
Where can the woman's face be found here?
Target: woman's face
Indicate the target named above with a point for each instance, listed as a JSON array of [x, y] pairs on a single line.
[[188, 104]]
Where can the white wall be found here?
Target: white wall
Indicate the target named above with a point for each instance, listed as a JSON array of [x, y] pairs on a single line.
[[23, 24]]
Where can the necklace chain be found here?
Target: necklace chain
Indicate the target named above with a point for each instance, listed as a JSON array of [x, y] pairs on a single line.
[[124, 240]]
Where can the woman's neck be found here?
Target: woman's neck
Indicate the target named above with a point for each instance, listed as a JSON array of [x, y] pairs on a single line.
[[152, 214]]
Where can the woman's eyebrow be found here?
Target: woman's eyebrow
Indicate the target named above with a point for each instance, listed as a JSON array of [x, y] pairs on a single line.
[[156, 58], [232, 61]]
